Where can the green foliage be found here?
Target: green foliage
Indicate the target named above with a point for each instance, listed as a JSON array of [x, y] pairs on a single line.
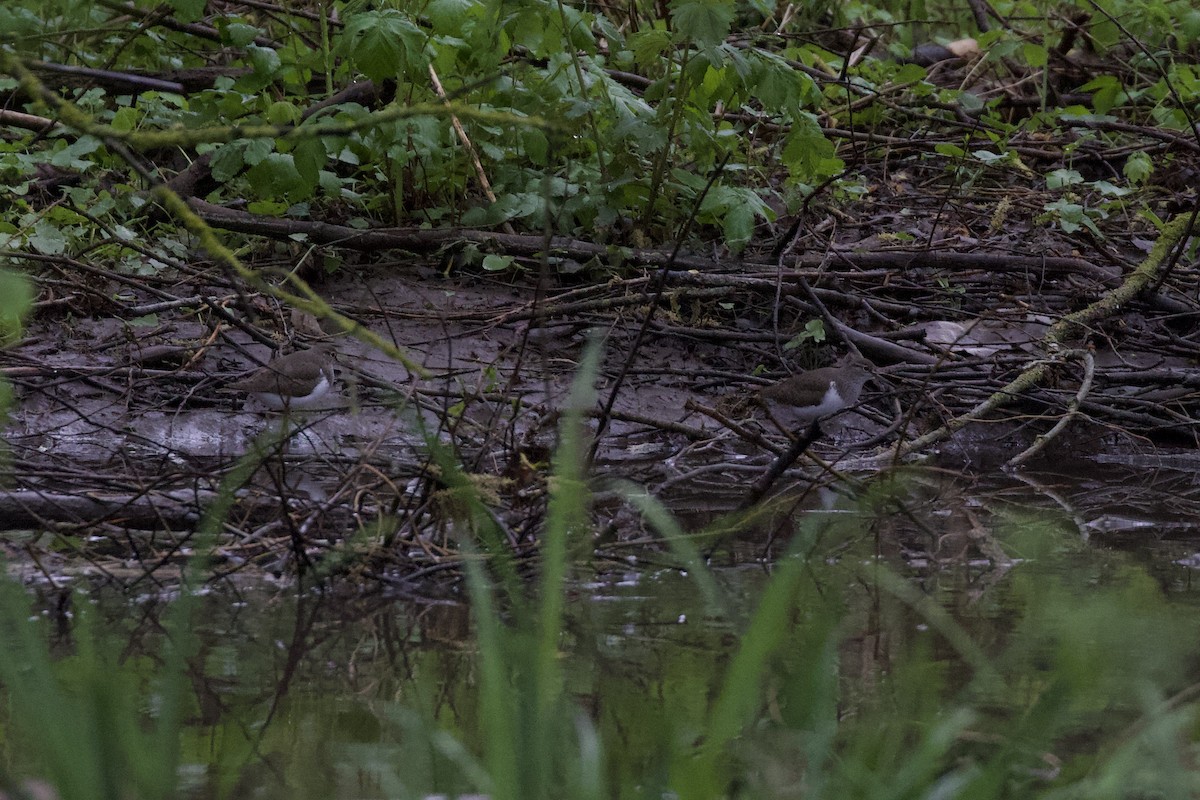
[[16, 298], [384, 44], [807, 154], [814, 333], [81, 718], [1071, 216], [543, 95], [1138, 168], [535, 747], [704, 22], [604, 134]]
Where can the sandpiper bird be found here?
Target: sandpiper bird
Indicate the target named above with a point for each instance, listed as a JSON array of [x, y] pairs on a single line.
[[816, 394], [298, 381]]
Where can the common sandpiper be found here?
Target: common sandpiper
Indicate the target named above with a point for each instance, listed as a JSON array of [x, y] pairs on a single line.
[[814, 395], [298, 381]]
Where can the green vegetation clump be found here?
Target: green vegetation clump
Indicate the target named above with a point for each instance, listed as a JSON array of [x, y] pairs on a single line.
[[618, 124]]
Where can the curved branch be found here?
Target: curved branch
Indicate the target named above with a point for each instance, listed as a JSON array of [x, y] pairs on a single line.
[[1070, 326]]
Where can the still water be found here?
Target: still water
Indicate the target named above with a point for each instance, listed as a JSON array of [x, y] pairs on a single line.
[[1047, 633]]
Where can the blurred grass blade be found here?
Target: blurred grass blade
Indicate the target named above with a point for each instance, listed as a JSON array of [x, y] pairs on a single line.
[[661, 519]]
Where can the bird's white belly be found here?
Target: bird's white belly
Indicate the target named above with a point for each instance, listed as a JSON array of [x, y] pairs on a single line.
[[831, 403], [277, 402]]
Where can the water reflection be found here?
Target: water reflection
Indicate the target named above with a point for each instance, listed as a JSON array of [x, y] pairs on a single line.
[[904, 606]]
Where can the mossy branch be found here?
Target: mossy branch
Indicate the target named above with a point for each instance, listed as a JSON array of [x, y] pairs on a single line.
[[303, 298], [1070, 327], [181, 136]]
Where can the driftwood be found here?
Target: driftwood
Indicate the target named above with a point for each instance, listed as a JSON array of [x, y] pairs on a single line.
[[156, 510]]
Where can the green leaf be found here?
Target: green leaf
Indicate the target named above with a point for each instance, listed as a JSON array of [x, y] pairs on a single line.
[[735, 208], [1189, 28], [1035, 55], [239, 34], [277, 176], [648, 45], [16, 298], [780, 87], [970, 102], [447, 15], [255, 150], [267, 208], [764, 8], [988, 157], [309, 157], [495, 263], [1071, 217], [705, 22], [73, 156], [384, 44], [738, 227], [535, 145], [282, 112], [227, 162], [814, 329], [18, 23], [47, 239], [579, 28], [713, 81], [1001, 49], [481, 217], [1138, 167], [125, 119], [1106, 93], [529, 30], [807, 154], [188, 10], [1109, 189], [264, 60], [1060, 178]]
